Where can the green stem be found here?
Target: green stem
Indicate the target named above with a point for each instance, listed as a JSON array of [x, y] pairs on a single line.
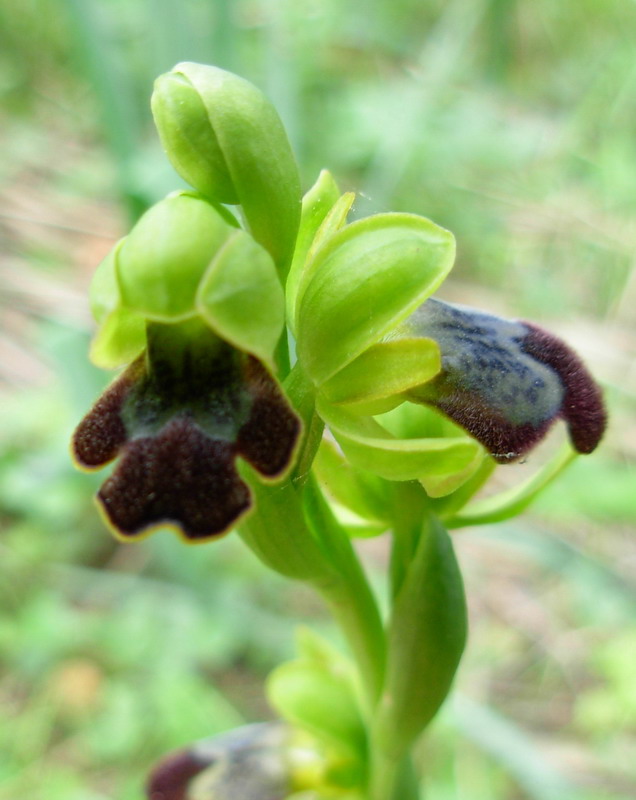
[[392, 779], [351, 599]]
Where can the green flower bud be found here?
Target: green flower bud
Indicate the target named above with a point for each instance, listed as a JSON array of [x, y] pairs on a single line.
[[225, 138], [316, 693]]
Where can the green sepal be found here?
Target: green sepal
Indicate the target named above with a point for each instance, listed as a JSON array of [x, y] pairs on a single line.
[[426, 638], [514, 501], [440, 464], [119, 340], [104, 290], [241, 299], [316, 692], [366, 279], [231, 145], [361, 492], [316, 204], [384, 370], [162, 260], [121, 335]]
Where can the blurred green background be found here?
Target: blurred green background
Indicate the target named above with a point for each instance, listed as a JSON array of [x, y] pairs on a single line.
[[509, 122]]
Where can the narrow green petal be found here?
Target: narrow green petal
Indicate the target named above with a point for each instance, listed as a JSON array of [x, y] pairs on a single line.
[[317, 203], [332, 223], [385, 369], [366, 279], [241, 299], [440, 464], [513, 501]]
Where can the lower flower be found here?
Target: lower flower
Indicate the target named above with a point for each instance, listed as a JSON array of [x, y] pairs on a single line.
[[179, 417]]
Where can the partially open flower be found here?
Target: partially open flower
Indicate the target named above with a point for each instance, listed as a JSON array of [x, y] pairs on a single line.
[[371, 339], [179, 417], [504, 382], [249, 763]]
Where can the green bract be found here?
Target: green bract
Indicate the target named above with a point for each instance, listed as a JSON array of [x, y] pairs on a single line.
[[427, 634], [184, 258], [364, 281], [225, 138]]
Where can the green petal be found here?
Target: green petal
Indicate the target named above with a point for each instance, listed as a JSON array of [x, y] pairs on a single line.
[[162, 260], [440, 464], [241, 298], [385, 369], [316, 204], [256, 155], [332, 223], [366, 279]]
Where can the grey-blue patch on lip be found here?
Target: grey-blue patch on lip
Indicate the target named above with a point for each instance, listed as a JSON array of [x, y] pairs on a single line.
[[505, 381], [485, 355]]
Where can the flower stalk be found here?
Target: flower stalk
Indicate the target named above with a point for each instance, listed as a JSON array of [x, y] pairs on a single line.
[[389, 413]]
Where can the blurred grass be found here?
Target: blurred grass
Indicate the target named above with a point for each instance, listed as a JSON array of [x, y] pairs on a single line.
[[511, 124]]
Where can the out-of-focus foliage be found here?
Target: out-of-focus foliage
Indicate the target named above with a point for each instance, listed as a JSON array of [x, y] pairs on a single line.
[[509, 123]]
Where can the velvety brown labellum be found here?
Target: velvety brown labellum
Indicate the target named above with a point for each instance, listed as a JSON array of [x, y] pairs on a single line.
[[179, 431], [506, 381], [170, 778], [582, 408]]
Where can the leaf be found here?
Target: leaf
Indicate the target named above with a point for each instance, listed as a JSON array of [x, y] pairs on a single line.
[[426, 638]]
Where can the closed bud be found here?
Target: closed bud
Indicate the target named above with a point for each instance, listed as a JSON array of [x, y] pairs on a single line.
[[225, 138]]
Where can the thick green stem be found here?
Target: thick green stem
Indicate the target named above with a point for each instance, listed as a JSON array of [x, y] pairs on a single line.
[[391, 778], [350, 598]]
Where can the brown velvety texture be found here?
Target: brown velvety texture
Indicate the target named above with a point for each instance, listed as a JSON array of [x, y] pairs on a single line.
[[178, 434], [170, 778], [582, 408]]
